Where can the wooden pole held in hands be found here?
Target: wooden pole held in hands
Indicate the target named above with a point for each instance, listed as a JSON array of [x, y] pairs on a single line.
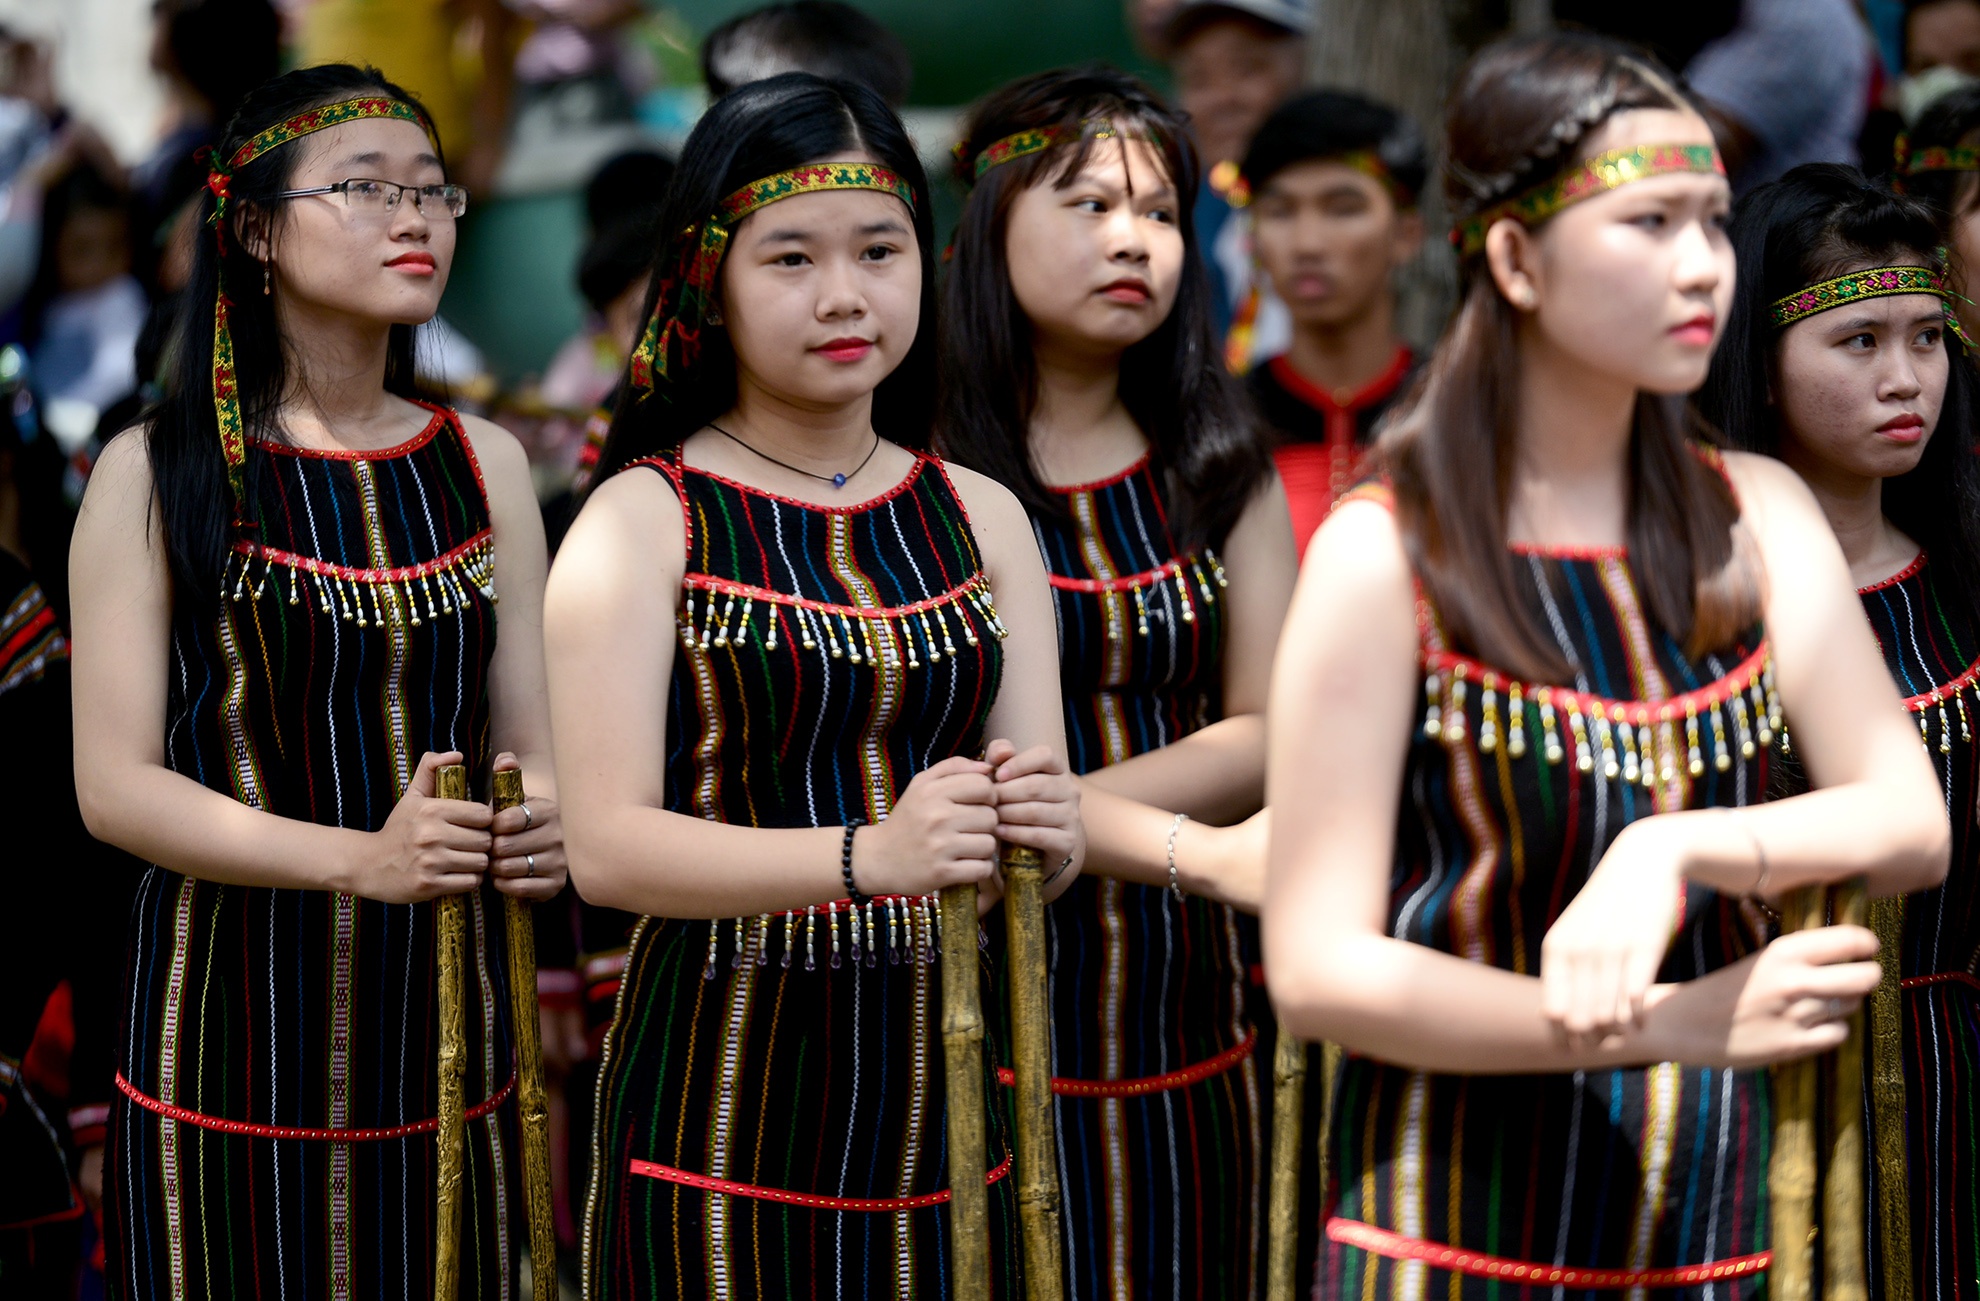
[[1031, 1060], [962, 1053], [1792, 1170], [450, 945], [1288, 1119], [1885, 1045], [1845, 1250], [533, 1106]]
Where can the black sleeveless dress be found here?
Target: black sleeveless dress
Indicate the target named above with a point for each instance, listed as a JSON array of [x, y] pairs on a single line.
[[1505, 1186], [770, 1117], [1159, 1111], [274, 1133]]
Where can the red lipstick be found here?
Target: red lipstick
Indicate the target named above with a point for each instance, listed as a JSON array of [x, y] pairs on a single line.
[[414, 263], [1698, 331], [1904, 428], [845, 350], [1127, 290]]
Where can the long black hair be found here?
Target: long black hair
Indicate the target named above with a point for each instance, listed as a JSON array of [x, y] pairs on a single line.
[[1820, 221], [1172, 382], [1948, 123], [186, 462], [764, 128]]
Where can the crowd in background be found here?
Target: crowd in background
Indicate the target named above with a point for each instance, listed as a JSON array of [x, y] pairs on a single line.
[[94, 254]]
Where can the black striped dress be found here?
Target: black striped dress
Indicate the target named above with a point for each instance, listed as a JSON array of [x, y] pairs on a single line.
[[1931, 644], [771, 1117], [274, 1133], [1152, 1047], [1504, 1186]]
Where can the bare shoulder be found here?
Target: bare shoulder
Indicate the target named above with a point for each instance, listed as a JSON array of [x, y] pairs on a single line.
[[635, 512], [1360, 548], [1774, 502], [121, 478], [995, 514], [495, 447]]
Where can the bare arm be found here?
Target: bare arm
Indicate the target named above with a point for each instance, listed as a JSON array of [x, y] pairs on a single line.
[[122, 601], [611, 638], [1217, 775], [1350, 659]]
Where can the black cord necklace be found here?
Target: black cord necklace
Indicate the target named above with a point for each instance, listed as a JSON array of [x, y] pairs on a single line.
[[836, 480]]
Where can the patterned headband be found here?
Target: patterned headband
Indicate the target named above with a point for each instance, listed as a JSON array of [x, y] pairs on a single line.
[[1600, 174], [689, 283], [1876, 282], [1936, 158], [226, 395], [1021, 144]]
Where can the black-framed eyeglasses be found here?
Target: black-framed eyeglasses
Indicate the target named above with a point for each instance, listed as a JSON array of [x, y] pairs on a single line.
[[362, 194]]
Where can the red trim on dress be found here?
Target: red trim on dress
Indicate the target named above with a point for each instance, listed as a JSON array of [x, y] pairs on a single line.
[[332, 1135], [1324, 402], [1182, 1079], [1669, 710], [417, 441], [1456, 1260], [1126, 582], [1942, 978], [311, 565], [921, 459], [726, 587], [707, 1183], [1134, 467], [1567, 553], [1909, 571]]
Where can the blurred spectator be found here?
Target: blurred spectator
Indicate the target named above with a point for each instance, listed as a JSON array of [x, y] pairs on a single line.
[[86, 308], [1953, 122], [821, 36], [612, 277], [1941, 52], [1234, 62], [209, 54], [1791, 82], [627, 186], [573, 52], [1674, 30], [1333, 181]]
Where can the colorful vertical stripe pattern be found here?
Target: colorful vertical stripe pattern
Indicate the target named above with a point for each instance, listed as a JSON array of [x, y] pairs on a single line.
[[264, 1012], [1931, 641], [1162, 1189], [766, 1079], [1453, 1186], [30, 637]]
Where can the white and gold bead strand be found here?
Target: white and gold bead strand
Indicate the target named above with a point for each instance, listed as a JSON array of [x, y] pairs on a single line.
[[1515, 722], [366, 598]]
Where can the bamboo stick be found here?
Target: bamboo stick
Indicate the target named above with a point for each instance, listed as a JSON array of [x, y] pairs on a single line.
[[532, 1103], [1885, 1045], [1845, 1253], [1288, 1118], [450, 943], [1031, 1051], [1791, 1173], [962, 1052]]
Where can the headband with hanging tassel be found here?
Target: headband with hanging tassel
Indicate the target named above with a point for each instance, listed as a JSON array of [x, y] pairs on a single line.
[[226, 393], [673, 332]]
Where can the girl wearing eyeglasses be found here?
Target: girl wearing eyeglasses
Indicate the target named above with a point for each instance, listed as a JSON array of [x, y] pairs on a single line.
[[285, 584]]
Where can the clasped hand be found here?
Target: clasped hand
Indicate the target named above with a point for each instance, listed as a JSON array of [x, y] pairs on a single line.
[[433, 847], [944, 829]]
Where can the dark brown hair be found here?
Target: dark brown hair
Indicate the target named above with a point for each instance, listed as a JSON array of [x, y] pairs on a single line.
[[1210, 458], [1520, 114]]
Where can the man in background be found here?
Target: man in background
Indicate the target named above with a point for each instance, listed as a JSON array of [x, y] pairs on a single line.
[[818, 36], [1234, 61]]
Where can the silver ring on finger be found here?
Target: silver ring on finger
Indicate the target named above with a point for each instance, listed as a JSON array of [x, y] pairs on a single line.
[[1835, 1009], [529, 865], [529, 819]]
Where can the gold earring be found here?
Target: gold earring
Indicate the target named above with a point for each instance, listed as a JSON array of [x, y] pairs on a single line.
[[267, 280]]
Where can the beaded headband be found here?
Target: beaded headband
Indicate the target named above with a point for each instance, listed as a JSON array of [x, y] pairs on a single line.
[[1600, 174], [1034, 140], [1936, 158], [1876, 282], [689, 283], [226, 394]]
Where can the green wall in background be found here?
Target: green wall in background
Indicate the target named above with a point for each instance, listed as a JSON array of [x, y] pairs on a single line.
[[513, 289], [963, 48]]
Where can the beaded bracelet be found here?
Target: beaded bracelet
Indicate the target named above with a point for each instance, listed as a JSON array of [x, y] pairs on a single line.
[[1175, 883], [846, 862]]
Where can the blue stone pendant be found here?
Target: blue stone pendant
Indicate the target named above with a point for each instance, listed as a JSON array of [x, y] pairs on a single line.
[[838, 481]]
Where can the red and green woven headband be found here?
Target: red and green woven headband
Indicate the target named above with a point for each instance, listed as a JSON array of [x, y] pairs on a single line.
[[1937, 158], [689, 285], [226, 393], [1599, 175], [1875, 282], [1022, 144]]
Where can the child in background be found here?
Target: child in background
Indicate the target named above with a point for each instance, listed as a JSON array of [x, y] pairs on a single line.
[[86, 307], [1333, 181]]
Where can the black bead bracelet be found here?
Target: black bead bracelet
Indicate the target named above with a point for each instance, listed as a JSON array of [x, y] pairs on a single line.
[[846, 862]]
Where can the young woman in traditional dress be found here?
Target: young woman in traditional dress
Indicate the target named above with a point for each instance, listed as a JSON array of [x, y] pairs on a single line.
[[776, 663], [1522, 712], [1838, 360], [1081, 372], [284, 589]]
